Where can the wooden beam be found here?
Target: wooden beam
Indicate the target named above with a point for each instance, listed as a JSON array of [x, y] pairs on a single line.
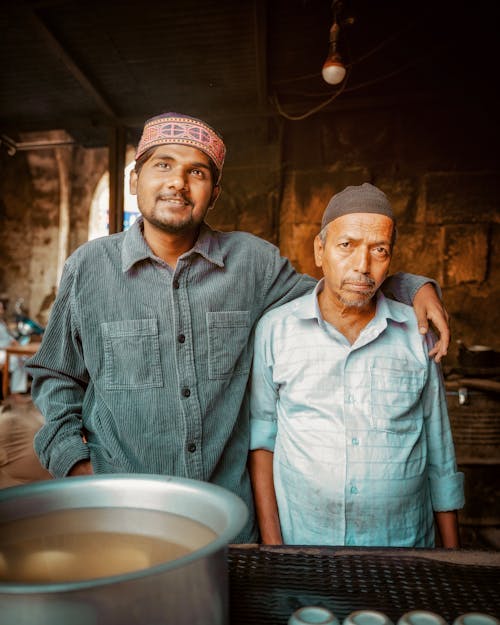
[[117, 148], [58, 49], [260, 30]]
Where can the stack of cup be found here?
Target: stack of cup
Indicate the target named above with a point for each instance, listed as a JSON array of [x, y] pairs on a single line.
[[313, 615], [367, 617]]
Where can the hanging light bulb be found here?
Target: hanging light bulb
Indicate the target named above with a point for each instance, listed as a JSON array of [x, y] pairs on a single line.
[[333, 68]]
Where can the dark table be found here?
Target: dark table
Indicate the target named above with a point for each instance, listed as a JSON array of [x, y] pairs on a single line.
[[268, 583]]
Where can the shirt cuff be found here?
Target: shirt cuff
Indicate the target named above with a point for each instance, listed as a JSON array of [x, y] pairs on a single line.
[[263, 434], [65, 456], [447, 493]]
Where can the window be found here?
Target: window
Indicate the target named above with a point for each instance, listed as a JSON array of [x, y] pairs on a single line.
[[99, 216]]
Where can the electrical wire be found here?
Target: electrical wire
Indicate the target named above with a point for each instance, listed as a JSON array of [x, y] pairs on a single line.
[[343, 87], [313, 110]]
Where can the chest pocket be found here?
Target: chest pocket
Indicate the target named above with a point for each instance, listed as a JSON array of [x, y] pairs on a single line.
[[228, 350], [394, 396], [131, 354]]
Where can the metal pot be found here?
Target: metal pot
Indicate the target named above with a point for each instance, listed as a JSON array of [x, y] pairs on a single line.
[[192, 589]]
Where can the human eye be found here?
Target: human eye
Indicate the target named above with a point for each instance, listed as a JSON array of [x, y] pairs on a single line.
[[162, 165], [344, 245], [381, 251], [198, 173]]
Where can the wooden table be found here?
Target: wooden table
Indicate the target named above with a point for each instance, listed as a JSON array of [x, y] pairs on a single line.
[[15, 350]]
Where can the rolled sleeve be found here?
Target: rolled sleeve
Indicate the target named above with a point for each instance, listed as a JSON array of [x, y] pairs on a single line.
[[263, 434], [446, 483], [263, 393], [447, 493]]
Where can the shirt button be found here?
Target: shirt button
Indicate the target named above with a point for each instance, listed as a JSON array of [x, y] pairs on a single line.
[[186, 392], [181, 338], [354, 490], [355, 441], [191, 447], [176, 284]]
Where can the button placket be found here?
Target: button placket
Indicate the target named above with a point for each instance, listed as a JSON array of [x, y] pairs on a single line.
[[189, 404]]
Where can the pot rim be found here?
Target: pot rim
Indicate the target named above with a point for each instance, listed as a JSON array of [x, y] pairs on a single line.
[[234, 507]]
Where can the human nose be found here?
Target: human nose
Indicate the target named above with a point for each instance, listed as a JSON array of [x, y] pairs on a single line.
[[177, 179], [362, 260]]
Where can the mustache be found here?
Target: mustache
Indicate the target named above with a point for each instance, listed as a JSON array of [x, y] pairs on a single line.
[[360, 279], [175, 196]]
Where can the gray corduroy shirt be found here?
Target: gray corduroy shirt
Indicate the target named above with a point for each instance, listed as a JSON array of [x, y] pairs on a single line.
[[151, 364]]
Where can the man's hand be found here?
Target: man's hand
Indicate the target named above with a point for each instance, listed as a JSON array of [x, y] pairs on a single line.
[[428, 307], [84, 467]]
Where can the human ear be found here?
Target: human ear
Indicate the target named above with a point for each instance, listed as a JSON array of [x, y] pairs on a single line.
[[318, 251], [133, 182], [215, 194]]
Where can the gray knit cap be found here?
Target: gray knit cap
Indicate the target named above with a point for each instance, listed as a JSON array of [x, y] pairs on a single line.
[[364, 198]]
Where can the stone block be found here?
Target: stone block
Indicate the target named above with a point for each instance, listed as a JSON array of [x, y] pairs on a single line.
[[461, 197], [302, 145], [297, 244], [418, 250], [402, 194], [465, 254], [307, 193], [358, 137], [257, 218]]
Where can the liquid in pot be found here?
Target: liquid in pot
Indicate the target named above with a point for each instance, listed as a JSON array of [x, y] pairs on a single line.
[[89, 543]]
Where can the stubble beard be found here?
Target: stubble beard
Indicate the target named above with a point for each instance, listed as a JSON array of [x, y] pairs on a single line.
[[362, 300], [360, 303], [171, 225]]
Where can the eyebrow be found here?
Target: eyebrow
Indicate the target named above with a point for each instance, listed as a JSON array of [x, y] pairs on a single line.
[[168, 157], [350, 237]]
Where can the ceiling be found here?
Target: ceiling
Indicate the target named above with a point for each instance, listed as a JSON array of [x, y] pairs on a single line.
[[85, 66]]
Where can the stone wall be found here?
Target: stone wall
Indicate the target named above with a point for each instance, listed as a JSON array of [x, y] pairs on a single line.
[[443, 181], [34, 188], [441, 174]]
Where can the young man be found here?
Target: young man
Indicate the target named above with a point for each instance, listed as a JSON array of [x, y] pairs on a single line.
[[349, 427], [146, 357]]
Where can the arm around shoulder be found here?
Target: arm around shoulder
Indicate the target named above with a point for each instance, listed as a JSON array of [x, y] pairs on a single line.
[[424, 294]]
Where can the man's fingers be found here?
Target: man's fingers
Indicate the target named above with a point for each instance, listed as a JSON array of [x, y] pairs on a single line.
[[438, 351]]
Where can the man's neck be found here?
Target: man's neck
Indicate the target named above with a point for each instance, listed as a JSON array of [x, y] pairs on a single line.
[[348, 320], [169, 245]]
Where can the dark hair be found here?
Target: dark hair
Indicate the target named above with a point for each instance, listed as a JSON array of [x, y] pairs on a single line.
[[139, 163]]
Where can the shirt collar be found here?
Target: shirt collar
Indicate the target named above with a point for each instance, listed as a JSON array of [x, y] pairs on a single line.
[[307, 306], [135, 247]]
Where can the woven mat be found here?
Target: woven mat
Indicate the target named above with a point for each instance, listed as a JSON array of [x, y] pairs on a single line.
[[266, 586]]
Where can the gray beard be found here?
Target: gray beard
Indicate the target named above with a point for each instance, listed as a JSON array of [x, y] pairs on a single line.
[[356, 304]]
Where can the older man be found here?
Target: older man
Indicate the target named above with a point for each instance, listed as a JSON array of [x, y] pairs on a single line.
[[349, 426], [146, 357]]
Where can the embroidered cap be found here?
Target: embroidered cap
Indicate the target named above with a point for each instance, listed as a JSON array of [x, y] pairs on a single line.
[[364, 198], [184, 130]]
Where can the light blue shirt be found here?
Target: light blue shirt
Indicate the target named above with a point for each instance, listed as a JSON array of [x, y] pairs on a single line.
[[363, 451]]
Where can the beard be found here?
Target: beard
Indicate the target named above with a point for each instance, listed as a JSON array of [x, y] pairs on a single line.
[[360, 299], [170, 222], [173, 227]]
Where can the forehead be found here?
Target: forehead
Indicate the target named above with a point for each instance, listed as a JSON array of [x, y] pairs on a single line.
[[368, 226], [181, 153]]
